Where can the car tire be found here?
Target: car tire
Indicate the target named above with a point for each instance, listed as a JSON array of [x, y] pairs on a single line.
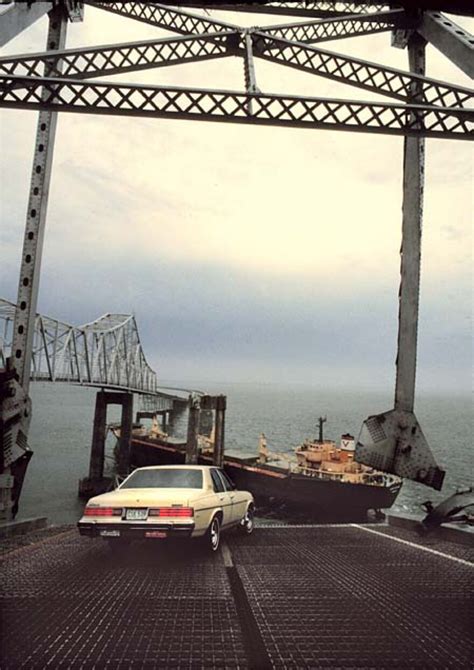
[[247, 524], [213, 535]]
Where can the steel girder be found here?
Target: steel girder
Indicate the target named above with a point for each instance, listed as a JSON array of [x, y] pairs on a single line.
[[231, 106], [19, 16], [209, 39], [184, 22], [133, 56], [357, 72], [449, 38], [314, 9], [106, 352], [337, 28], [163, 16], [90, 62]]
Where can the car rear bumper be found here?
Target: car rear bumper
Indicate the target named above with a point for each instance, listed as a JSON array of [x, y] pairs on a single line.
[[136, 530]]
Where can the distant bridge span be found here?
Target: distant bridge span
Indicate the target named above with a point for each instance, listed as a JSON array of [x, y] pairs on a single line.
[[106, 352]]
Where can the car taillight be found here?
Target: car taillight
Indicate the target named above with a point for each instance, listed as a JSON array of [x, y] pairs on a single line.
[[171, 511], [103, 511]]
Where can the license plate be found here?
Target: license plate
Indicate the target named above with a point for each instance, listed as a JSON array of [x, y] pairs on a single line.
[[155, 533], [136, 514], [110, 533]]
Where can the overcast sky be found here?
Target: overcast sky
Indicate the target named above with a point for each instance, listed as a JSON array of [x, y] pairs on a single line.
[[245, 253]]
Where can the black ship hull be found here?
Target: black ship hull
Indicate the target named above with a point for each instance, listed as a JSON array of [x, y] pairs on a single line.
[[319, 499]]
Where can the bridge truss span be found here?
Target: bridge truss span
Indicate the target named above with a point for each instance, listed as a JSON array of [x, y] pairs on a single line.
[[106, 352]]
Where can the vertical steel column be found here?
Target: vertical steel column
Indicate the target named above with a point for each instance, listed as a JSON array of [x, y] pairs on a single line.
[[193, 430], [96, 466], [221, 404], [36, 218], [413, 183]]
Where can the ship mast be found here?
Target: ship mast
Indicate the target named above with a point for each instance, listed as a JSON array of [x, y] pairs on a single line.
[[321, 421]]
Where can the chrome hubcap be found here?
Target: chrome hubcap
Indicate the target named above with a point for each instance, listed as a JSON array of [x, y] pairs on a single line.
[[248, 521], [215, 534]]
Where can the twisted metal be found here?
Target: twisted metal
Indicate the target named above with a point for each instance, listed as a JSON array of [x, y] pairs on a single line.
[[106, 352]]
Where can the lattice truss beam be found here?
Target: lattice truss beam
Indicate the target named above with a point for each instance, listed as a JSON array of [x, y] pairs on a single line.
[[420, 105], [106, 352]]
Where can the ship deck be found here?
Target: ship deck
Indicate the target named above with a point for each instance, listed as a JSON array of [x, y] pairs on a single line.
[[286, 597]]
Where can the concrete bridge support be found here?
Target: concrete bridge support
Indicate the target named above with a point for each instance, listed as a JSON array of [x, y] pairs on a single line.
[[193, 430], [221, 405], [205, 405], [96, 483], [176, 415]]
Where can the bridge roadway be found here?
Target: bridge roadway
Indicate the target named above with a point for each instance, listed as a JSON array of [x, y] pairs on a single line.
[[314, 597]]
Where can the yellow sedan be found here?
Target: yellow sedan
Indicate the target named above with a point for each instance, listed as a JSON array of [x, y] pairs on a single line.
[[167, 501]]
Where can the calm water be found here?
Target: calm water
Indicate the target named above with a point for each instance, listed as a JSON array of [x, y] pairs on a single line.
[[62, 427]]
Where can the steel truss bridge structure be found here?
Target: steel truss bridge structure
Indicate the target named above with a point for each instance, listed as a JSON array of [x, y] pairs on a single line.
[[106, 353], [72, 80]]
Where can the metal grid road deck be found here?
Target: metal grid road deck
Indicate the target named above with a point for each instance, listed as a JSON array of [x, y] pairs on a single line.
[[73, 603], [346, 598], [322, 597]]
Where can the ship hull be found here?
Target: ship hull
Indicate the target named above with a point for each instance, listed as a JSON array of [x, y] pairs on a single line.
[[325, 500]]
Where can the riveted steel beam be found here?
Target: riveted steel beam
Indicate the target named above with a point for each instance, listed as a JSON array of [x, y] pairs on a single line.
[[162, 16], [360, 73], [413, 186], [18, 16], [308, 7], [119, 58], [452, 40], [394, 441], [229, 106], [250, 80], [36, 217], [303, 8], [338, 28]]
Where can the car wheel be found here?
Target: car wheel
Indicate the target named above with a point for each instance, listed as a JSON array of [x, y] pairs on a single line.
[[248, 522], [213, 535]]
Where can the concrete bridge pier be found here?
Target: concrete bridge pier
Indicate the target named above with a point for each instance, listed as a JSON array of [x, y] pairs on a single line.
[[175, 415], [221, 405], [95, 483], [200, 411]]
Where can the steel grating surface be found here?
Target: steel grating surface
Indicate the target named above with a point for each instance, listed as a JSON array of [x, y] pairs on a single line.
[[344, 598], [320, 597], [79, 605]]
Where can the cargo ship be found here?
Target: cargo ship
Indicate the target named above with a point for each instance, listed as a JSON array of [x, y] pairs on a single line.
[[318, 479]]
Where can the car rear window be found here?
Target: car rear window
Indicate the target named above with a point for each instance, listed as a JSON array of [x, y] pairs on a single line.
[[168, 478]]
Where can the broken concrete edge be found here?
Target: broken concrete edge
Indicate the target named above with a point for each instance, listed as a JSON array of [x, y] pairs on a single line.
[[451, 532], [22, 526]]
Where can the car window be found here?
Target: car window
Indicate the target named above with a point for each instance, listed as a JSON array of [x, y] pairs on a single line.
[[167, 478], [217, 482], [228, 483]]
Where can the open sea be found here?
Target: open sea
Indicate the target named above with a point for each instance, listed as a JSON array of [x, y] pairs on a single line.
[[61, 432]]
